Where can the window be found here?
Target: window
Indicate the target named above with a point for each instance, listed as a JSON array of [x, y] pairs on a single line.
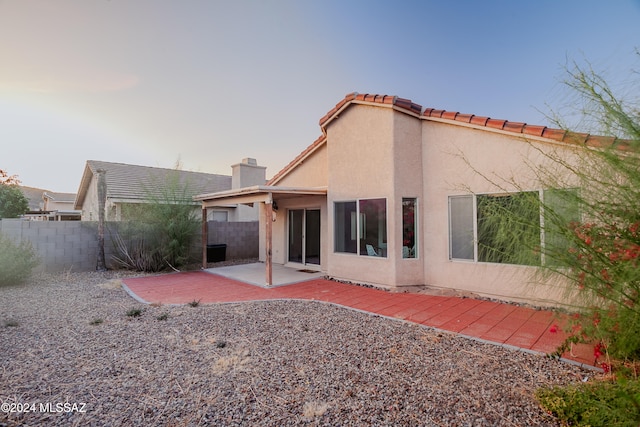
[[409, 228], [219, 216], [461, 228], [508, 228], [560, 210], [346, 227], [361, 227]]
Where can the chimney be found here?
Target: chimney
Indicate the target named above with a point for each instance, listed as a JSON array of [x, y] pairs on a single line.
[[247, 174]]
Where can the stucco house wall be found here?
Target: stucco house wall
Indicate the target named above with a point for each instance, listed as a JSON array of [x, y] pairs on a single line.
[[461, 160], [360, 167], [312, 172]]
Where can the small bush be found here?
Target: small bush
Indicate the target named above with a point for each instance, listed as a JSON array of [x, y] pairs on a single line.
[[601, 403], [134, 312], [194, 303], [17, 261], [10, 323], [163, 316], [95, 322]]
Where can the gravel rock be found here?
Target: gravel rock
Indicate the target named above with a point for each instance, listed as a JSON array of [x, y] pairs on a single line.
[[67, 338]]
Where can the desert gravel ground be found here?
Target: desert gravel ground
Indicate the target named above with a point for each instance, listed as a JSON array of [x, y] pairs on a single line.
[[68, 339]]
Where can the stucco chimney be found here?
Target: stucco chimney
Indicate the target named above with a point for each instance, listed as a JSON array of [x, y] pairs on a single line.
[[247, 173]]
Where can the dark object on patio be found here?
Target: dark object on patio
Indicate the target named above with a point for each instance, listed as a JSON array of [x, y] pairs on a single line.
[[217, 252]]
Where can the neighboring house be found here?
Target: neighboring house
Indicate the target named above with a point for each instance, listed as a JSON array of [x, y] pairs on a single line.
[[60, 206], [389, 196], [34, 197], [45, 205], [130, 186]]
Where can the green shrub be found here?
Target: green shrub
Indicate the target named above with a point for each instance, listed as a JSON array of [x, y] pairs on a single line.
[[17, 261], [601, 403], [160, 233], [135, 312]]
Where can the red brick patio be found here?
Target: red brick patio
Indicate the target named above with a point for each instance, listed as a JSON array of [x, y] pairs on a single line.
[[499, 323]]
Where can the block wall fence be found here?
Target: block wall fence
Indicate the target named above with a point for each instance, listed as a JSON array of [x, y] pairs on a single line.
[[73, 245]]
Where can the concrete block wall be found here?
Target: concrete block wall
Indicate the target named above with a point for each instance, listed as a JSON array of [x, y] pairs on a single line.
[[241, 238], [60, 245], [73, 245]]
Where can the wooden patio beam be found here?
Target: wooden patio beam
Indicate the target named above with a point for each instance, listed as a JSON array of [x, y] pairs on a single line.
[[269, 239], [205, 237]]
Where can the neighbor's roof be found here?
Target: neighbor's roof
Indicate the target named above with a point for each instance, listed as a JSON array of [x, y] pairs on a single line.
[[133, 182], [452, 117], [34, 197], [59, 197]]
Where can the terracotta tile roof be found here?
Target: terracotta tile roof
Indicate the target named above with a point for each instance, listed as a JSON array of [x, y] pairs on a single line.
[[409, 107], [504, 125]]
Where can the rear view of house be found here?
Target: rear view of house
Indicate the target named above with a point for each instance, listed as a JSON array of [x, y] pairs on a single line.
[[391, 195]]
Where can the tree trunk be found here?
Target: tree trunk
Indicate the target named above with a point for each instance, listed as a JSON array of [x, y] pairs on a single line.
[[102, 200]]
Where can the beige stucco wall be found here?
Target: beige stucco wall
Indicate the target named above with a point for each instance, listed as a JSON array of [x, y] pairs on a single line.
[[361, 161], [459, 160], [312, 172], [408, 183]]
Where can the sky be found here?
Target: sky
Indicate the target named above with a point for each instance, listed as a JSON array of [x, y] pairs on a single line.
[[207, 83]]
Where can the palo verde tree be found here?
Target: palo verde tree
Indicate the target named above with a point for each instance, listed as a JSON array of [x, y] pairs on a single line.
[[597, 245], [590, 233], [584, 229], [13, 203]]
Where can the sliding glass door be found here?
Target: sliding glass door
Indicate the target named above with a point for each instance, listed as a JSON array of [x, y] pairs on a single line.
[[304, 236]]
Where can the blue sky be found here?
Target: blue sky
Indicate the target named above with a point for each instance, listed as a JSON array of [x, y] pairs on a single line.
[[210, 82]]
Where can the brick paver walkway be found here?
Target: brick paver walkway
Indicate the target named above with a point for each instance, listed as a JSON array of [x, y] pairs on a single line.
[[499, 323]]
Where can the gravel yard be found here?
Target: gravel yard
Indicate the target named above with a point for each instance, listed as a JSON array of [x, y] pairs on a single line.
[[68, 338]]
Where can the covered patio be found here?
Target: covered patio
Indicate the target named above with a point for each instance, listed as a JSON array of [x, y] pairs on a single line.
[[267, 197], [254, 274]]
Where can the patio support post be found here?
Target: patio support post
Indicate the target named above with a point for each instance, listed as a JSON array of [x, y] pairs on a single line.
[[205, 237], [268, 238]]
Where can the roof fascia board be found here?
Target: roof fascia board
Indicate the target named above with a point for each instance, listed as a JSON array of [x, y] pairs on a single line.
[[244, 199], [87, 176], [262, 190]]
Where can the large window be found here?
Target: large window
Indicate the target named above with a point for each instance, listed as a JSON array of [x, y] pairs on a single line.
[[506, 228], [361, 227]]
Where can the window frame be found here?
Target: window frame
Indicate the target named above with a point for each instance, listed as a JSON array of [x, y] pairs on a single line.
[[357, 225], [474, 197], [416, 229]]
